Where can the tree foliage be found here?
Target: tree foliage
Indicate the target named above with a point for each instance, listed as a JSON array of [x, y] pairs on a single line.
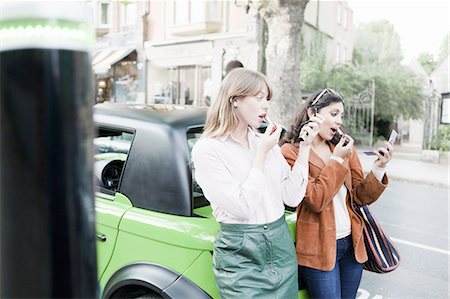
[[427, 61], [398, 90], [313, 64], [377, 43], [377, 56]]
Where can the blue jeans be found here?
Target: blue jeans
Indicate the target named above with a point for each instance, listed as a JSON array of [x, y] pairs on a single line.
[[341, 282]]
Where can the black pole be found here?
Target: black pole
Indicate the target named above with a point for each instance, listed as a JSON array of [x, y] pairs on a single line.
[[46, 129]]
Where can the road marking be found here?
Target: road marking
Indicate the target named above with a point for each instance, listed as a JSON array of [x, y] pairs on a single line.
[[418, 245], [364, 294], [416, 230]]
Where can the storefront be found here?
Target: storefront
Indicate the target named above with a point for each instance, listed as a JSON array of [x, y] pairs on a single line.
[[116, 74], [189, 71]]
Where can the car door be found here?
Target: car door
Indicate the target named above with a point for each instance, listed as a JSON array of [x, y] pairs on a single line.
[[109, 211]]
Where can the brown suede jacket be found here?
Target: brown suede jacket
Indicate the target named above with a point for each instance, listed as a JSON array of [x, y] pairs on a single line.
[[316, 230]]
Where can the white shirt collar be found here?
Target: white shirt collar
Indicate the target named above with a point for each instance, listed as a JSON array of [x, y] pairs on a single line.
[[251, 134]]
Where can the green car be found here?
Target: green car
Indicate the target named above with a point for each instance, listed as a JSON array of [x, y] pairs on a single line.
[[155, 229]]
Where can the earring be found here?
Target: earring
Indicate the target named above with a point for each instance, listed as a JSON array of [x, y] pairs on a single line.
[[235, 104]]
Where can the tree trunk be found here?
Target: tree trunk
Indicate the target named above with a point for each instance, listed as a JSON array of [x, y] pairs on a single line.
[[284, 19]]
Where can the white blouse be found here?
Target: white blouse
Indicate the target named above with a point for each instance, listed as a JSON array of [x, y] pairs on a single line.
[[239, 193], [341, 215]]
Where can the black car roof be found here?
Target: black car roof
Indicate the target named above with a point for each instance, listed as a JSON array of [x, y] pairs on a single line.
[[157, 174], [174, 115]]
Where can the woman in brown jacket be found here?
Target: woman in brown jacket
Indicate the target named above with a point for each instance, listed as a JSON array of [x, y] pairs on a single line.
[[330, 247]]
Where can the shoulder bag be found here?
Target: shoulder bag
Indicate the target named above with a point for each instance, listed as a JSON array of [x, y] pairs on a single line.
[[382, 253]]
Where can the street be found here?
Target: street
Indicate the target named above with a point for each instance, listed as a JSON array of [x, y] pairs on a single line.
[[415, 216]]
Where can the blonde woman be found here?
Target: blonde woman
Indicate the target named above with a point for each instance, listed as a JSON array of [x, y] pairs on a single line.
[[247, 181]]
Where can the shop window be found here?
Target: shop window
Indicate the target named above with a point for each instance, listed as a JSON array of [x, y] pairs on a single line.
[[205, 86], [190, 17], [184, 85], [126, 83]]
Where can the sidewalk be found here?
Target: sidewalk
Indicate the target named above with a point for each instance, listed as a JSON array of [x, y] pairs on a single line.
[[407, 166]]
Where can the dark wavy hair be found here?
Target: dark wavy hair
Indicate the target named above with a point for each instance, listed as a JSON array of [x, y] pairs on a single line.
[[315, 101]]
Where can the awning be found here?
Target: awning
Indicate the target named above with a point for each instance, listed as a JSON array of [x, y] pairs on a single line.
[[103, 59]]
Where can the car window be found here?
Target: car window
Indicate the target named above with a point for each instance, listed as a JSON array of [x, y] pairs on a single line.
[[111, 152], [197, 193]]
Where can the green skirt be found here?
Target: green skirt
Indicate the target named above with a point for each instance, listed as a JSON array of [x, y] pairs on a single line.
[[255, 261]]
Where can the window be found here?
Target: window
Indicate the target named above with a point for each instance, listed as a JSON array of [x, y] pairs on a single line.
[[104, 14], [196, 11], [339, 13], [130, 13], [181, 12], [199, 199], [344, 54], [344, 18], [111, 152], [338, 53], [185, 85], [190, 17]]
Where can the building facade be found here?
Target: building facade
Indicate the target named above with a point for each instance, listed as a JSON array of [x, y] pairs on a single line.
[[331, 23], [118, 59], [177, 51], [190, 44]]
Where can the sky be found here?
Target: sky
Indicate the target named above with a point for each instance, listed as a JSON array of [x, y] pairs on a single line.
[[422, 25]]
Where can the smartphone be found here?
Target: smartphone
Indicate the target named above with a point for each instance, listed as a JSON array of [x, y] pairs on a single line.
[[270, 122], [391, 140], [303, 134], [337, 137]]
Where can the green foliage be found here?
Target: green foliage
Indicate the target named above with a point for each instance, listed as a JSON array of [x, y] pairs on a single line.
[[377, 43], [376, 57], [313, 63], [397, 93], [442, 141], [427, 61], [348, 79]]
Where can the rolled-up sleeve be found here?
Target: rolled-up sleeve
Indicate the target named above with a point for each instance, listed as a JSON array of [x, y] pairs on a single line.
[[237, 199]]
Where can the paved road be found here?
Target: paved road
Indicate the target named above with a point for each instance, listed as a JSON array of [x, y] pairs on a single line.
[[416, 217]]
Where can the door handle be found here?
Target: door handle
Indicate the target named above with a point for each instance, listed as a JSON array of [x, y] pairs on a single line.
[[101, 237]]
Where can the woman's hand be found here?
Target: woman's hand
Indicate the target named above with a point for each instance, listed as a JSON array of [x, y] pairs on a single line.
[[312, 129], [266, 143], [388, 153], [270, 137], [343, 149]]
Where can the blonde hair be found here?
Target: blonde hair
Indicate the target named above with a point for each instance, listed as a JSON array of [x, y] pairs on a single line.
[[240, 82]]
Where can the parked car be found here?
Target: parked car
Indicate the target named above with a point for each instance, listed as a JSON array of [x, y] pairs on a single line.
[[155, 229]]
